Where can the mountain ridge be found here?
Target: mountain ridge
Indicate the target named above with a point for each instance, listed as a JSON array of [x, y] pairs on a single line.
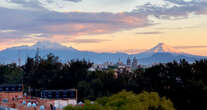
[[160, 53]]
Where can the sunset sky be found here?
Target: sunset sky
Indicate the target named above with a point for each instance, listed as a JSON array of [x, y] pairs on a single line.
[[129, 26]]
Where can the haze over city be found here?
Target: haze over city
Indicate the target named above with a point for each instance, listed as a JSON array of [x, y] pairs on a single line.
[[130, 26]]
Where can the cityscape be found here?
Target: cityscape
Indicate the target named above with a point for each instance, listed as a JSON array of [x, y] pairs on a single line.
[[103, 54]]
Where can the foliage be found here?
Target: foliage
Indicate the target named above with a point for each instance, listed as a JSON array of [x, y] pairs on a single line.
[[128, 101], [50, 73], [11, 74], [183, 83]]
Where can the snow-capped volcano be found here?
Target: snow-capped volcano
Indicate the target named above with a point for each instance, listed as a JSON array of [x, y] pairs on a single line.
[[163, 48], [44, 45], [161, 53], [49, 45]]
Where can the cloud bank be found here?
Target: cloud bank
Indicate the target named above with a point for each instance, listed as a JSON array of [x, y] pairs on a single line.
[[181, 9], [71, 24], [28, 24], [78, 41], [149, 33]]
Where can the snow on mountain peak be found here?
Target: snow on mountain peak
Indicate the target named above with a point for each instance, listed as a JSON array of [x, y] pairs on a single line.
[[50, 45], [163, 48], [47, 45]]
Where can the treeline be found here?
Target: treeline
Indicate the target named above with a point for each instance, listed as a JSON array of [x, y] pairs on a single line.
[[11, 74], [185, 84], [127, 101]]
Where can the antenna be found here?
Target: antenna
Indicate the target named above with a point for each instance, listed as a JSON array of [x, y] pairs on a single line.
[[37, 54], [19, 58], [37, 57]]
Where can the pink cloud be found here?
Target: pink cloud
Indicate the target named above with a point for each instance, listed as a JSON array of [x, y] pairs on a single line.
[[99, 25]]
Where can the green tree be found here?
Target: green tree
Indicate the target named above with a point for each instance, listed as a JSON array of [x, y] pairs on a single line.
[[128, 101], [11, 74]]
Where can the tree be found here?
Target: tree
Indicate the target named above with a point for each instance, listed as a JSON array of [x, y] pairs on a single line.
[[10, 74], [128, 101], [50, 73]]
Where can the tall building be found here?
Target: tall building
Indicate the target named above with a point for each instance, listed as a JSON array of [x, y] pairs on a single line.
[[119, 63], [134, 63], [128, 62]]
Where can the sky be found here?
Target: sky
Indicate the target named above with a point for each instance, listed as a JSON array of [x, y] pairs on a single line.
[[130, 26]]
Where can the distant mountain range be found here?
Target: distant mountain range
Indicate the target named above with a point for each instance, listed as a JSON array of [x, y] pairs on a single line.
[[161, 53]]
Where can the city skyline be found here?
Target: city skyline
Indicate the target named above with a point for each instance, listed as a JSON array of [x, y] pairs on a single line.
[[106, 26]]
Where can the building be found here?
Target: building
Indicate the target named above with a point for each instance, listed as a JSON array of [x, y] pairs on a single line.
[[134, 63], [11, 91], [9, 94], [128, 62], [120, 63]]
